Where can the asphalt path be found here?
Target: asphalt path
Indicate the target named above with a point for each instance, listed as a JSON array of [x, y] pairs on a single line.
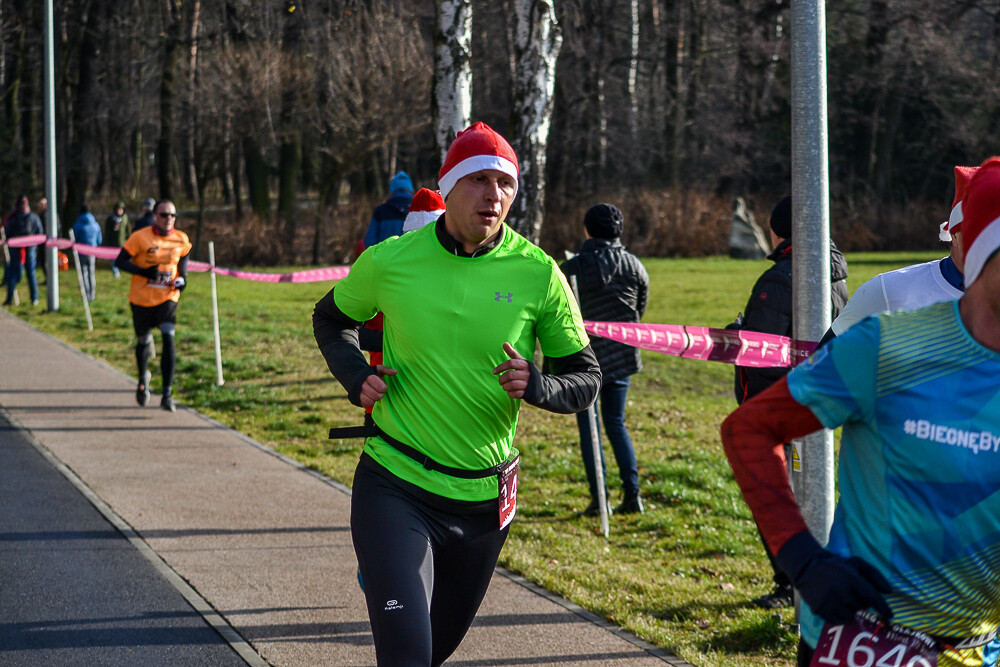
[[73, 589]]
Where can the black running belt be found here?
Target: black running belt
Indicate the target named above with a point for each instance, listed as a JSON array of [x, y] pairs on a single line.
[[368, 431]]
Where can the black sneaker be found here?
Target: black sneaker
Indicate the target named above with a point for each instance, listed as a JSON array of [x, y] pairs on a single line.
[[593, 509], [142, 390], [167, 403], [780, 598], [631, 505]]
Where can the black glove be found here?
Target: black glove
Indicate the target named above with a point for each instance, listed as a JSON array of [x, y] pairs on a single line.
[[180, 283], [736, 324], [834, 587]]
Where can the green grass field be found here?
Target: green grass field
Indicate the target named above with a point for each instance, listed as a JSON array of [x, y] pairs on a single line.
[[680, 576]]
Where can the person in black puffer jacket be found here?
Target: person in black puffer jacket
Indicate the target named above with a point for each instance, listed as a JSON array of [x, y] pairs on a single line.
[[769, 310], [613, 286]]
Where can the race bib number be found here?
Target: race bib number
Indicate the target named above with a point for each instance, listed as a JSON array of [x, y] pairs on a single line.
[[507, 491], [163, 280], [868, 642]]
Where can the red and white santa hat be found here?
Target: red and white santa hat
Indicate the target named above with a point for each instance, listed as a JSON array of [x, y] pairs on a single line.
[[962, 177], [981, 218], [427, 206], [476, 148]]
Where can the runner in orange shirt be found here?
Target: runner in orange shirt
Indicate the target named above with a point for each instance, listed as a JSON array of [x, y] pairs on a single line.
[[157, 258]]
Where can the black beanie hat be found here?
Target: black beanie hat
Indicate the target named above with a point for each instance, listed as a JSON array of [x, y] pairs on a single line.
[[781, 218], [604, 221]]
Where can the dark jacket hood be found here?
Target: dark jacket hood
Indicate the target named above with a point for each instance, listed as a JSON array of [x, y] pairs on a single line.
[[838, 264]]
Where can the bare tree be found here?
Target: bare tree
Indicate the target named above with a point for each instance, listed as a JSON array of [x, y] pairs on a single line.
[[367, 95], [293, 80], [191, 187]]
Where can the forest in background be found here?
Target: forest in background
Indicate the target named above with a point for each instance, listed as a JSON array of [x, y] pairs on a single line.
[[292, 115]]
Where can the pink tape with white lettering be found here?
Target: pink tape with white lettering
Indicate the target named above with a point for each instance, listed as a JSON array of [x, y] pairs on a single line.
[[110, 253], [744, 348]]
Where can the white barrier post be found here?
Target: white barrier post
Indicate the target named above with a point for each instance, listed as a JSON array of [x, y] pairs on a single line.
[[16, 300], [595, 441], [79, 279], [215, 313]]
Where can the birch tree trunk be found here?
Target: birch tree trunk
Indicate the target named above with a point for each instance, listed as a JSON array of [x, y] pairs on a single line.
[[452, 99], [538, 39]]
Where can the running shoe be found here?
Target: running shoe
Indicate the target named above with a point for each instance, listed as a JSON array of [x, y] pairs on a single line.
[[593, 509], [167, 403], [632, 504], [142, 390], [781, 597]]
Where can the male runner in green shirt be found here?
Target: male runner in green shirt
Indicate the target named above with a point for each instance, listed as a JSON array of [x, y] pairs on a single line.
[[464, 301]]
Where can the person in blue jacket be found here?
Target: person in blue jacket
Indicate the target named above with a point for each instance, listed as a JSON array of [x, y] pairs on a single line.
[[87, 231], [387, 218]]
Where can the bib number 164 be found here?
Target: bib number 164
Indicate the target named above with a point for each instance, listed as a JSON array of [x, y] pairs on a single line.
[[867, 643]]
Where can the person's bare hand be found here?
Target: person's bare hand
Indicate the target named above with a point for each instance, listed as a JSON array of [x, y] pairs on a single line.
[[514, 373], [374, 387]]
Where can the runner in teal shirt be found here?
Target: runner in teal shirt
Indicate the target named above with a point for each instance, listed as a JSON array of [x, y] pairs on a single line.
[[916, 534]]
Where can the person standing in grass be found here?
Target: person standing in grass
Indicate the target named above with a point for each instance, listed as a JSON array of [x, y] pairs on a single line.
[[387, 218], [87, 231], [915, 538], [22, 223], [464, 300], [614, 287], [147, 218], [157, 258], [117, 229], [769, 310]]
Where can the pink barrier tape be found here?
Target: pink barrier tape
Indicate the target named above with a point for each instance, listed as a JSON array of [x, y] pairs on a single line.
[[307, 276], [743, 348], [25, 241], [103, 252]]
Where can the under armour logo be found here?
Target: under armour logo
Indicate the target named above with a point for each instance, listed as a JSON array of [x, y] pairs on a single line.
[[509, 296]]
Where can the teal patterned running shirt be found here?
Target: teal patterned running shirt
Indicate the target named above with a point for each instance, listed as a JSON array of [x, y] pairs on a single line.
[[919, 466]]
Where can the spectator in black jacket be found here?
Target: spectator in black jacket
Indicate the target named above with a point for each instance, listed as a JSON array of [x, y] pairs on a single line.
[[147, 218], [613, 286], [769, 310]]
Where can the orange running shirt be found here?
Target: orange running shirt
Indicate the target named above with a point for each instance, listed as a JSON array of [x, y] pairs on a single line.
[[148, 248]]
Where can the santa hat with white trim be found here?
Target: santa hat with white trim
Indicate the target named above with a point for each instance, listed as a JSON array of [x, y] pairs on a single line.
[[962, 177], [427, 206], [981, 218], [476, 148]]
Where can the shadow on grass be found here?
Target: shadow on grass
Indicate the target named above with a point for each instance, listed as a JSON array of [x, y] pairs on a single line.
[[768, 634], [756, 631]]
